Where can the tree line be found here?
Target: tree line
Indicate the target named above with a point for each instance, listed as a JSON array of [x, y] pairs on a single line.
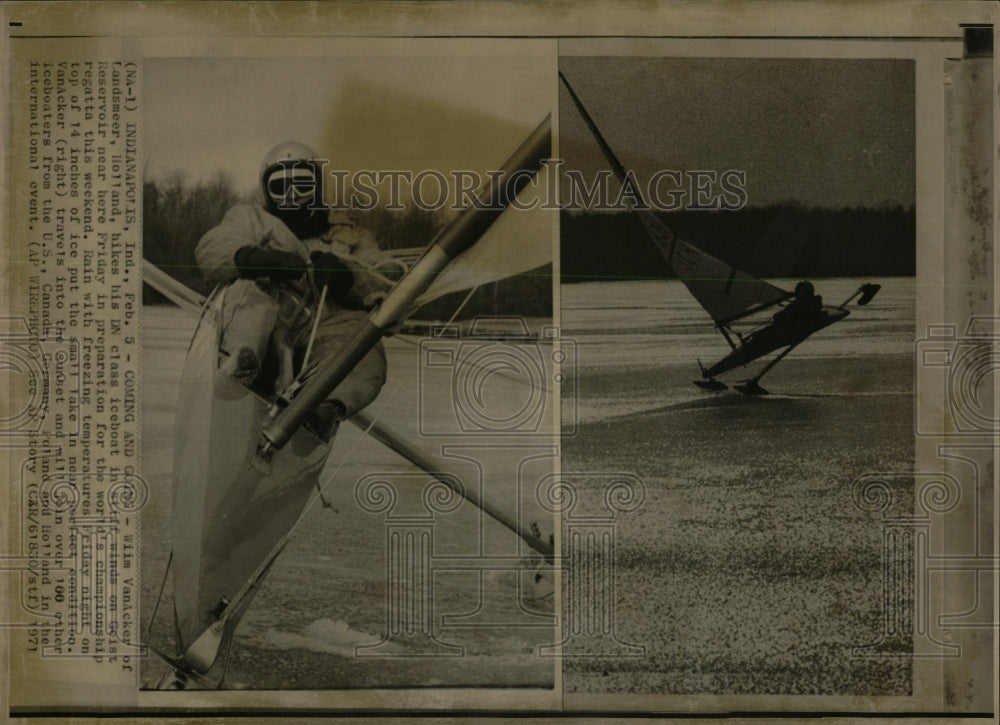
[[176, 213], [775, 241]]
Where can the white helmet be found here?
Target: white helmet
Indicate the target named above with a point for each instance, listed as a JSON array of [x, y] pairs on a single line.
[[291, 180]]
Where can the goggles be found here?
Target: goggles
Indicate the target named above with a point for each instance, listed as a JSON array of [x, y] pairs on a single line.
[[292, 187]]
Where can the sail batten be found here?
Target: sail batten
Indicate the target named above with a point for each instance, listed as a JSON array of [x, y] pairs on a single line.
[[722, 289]]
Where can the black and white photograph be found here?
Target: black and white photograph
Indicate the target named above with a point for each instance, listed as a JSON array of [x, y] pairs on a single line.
[[739, 281], [285, 547], [492, 360]]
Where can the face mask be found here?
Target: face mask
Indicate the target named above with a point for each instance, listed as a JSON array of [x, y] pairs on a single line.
[[291, 187]]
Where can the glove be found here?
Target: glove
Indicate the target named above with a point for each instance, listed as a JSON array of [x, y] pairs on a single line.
[[324, 418], [254, 262], [329, 270]]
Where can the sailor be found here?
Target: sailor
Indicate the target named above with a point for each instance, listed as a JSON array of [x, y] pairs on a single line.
[[269, 255], [800, 316]]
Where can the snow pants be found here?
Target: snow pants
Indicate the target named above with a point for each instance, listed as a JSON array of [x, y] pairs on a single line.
[[255, 317]]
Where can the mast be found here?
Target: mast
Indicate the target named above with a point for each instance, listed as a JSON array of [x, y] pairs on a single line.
[[460, 235], [725, 292]]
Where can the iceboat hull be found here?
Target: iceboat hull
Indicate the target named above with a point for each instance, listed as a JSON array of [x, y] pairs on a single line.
[[227, 515], [768, 340]]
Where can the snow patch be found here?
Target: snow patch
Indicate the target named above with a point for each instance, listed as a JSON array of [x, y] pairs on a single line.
[[322, 635]]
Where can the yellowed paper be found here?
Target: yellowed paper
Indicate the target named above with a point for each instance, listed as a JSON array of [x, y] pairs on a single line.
[[538, 512]]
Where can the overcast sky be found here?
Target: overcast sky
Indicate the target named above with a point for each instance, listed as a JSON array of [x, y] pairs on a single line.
[[824, 132], [388, 112], [819, 132]]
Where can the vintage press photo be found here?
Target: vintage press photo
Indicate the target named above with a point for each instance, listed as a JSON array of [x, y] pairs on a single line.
[[726, 218], [425, 511], [270, 452], [761, 576], [407, 549]]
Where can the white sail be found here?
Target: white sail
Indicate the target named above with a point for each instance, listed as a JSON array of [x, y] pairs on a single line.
[[519, 241], [725, 292]]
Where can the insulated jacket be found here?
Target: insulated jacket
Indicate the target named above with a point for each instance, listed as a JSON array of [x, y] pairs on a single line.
[[246, 225]]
